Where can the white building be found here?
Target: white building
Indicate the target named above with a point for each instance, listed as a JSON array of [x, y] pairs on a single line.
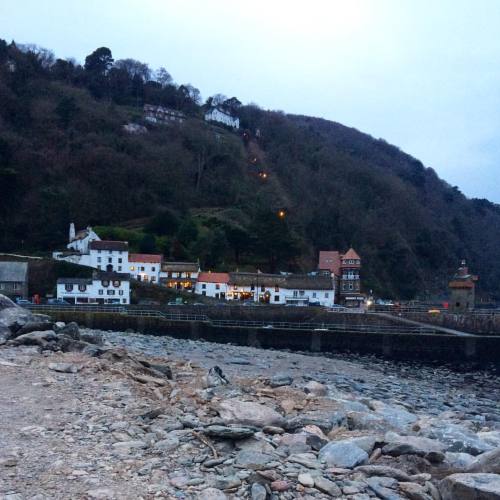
[[160, 114], [212, 285], [109, 256], [102, 288], [221, 116], [300, 290], [79, 242], [145, 267]]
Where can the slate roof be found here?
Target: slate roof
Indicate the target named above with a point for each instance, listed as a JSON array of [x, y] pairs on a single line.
[[74, 281], [13, 272], [190, 267], [121, 246]]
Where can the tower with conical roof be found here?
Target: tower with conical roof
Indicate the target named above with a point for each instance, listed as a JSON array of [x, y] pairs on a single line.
[[462, 290], [350, 282]]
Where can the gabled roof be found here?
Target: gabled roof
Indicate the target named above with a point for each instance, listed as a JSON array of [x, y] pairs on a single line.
[[74, 281], [16, 272], [103, 275], [351, 255], [329, 260], [145, 258], [121, 246], [213, 277], [306, 282]]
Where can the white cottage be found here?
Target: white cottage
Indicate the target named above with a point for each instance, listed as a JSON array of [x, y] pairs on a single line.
[[212, 285], [79, 242], [221, 116], [145, 267], [110, 256], [102, 288]]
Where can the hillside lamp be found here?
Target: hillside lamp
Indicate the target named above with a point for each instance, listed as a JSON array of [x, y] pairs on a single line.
[[281, 214]]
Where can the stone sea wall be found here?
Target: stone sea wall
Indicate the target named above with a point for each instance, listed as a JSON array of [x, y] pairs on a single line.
[[421, 347]]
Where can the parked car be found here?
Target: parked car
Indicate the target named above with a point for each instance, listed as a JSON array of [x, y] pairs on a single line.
[[58, 302], [23, 302]]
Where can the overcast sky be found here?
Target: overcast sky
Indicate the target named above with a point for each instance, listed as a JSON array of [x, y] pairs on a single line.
[[422, 74]]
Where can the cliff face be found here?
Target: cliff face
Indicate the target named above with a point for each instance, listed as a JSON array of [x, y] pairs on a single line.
[[200, 191]]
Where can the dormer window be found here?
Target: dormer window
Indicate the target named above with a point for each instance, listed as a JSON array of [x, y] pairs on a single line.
[[68, 287], [82, 288], [116, 283], [105, 283]]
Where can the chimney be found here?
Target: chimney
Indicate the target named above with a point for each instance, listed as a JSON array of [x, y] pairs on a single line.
[[72, 233]]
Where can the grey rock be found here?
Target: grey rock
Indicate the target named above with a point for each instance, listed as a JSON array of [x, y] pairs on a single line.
[[212, 494], [396, 416], [228, 432], [233, 411], [64, 367], [308, 460], [412, 445], [71, 330], [95, 338], [381, 491], [316, 388], [414, 491], [258, 492], [343, 454], [31, 326], [383, 470], [305, 479], [457, 438], [458, 462], [214, 378], [357, 420], [326, 486], [280, 379], [41, 339], [470, 487], [487, 462], [253, 460], [322, 420], [168, 444], [227, 482]]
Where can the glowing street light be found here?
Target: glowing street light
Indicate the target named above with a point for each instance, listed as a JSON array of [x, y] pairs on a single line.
[[281, 214]]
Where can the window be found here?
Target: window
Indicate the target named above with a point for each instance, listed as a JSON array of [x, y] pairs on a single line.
[[110, 259], [153, 269], [120, 292], [252, 287], [327, 294], [153, 279], [188, 275], [99, 267], [132, 268], [276, 298], [142, 268], [276, 288], [105, 283], [119, 268], [314, 295], [82, 287], [101, 292], [295, 293], [116, 283], [124, 301], [217, 286], [110, 292], [69, 288], [203, 286], [15, 286], [301, 293], [120, 260], [204, 293], [350, 286], [99, 259], [262, 288]]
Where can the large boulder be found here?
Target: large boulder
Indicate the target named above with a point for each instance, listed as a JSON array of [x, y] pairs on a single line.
[[487, 462], [470, 487], [42, 339], [345, 454], [456, 438], [32, 326], [71, 330], [397, 445], [233, 411], [396, 416]]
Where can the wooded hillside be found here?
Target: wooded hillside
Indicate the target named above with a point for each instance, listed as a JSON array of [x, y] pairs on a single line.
[[199, 191]]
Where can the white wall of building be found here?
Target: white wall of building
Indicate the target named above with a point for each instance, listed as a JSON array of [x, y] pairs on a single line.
[[101, 259], [217, 115], [216, 290], [82, 244], [145, 271], [98, 291]]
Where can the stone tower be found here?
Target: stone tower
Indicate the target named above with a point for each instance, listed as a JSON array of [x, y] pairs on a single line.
[[462, 290], [72, 232]]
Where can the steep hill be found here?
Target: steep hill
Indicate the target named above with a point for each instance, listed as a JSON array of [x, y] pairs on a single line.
[[199, 191]]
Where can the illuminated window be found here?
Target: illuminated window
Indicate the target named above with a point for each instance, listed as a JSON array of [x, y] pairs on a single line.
[[69, 288], [132, 268]]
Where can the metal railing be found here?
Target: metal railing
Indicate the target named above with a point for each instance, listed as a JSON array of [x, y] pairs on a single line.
[[229, 323]]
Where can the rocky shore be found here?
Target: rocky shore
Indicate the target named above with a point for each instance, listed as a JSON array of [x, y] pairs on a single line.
[[102, 415]]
